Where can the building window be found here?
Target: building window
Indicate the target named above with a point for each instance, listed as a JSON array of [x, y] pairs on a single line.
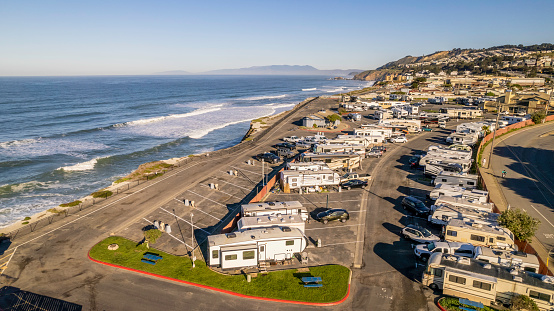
[[481, 285], [288, 243], [231, 257], [540, 296], [215, 254], [248, 255], [451, 233], [471, 183], [457, 279], [477, 238]]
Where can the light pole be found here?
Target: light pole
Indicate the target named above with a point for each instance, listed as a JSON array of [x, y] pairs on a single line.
[[494, 134], [192, 239]]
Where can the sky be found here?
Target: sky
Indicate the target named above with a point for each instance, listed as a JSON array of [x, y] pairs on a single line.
[[39, 38]]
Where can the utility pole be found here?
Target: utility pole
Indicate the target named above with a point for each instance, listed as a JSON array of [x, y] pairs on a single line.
[[263, 173], [192, 239], [548, 105], [494, 134]]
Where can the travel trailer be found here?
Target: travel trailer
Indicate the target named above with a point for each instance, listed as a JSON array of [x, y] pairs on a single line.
[[274, 209], [491, 285], [507, 258], [468, 181], [435, 150], [463, 138], [291, 221], [478, 234], [335, 161], [444, 213], [463, 202], [249, 248], [513, 120], [335, 148], [460, 147], [306, 166], [446, 190], [308, 179], [435, 167]]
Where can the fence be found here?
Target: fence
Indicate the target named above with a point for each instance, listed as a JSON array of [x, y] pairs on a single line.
[[524, 246], [69, 211]]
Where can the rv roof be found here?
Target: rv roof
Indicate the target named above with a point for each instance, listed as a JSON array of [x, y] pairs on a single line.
[[465, 202], [460, 175], [254, 235], [509, 255], [331, 155], [465, 224], [271, 205], [272, 220], [307, 172], [495, 271]]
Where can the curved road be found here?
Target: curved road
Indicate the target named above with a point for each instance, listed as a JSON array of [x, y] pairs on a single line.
[[528, 158]]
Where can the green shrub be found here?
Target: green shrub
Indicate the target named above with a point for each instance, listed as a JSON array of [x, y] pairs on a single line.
[[152, 235], [538, 116], [102, 194], [55, 211], [121, 180], [74, 203], [27, 218], [25, 222]]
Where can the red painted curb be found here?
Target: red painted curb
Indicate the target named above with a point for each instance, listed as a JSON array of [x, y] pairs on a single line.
[[439, 305], [225, 291]]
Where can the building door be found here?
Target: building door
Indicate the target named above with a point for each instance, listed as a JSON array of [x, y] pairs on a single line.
[[261, 252]]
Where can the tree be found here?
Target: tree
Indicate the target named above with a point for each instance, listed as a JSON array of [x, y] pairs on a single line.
[[334, 117], [151, 235], [523, 302], [490, 94], [538, 116], [486, 129], [520, 223]]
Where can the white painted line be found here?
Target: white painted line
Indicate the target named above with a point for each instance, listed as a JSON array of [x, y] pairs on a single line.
[[234, 185], [256, 173], [236, 176], [542, 215], [333, 227], [184, 220], [207, 198], [231, 195], [324, 245], [358, 211], [170, 234], [8, 262], [197, 209]]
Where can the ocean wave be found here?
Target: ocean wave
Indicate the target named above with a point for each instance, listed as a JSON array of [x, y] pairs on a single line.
[[171, 116], [48, 146], [201, 133], [277, 106], [264, 97], [6, 190], [14, 143], [83, 166], [310, 89]]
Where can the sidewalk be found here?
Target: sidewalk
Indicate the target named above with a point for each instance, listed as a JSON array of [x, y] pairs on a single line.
[[491, 184]]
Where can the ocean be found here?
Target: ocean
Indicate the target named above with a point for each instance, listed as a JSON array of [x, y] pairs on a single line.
[[63, 138]]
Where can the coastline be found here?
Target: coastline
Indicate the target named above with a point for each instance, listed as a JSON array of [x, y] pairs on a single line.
[[256, 126]]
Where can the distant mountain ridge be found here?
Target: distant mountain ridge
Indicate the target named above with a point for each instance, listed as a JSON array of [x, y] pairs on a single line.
[[269, 70]]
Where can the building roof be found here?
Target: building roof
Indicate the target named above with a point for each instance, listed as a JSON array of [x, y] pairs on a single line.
[[252, 236]]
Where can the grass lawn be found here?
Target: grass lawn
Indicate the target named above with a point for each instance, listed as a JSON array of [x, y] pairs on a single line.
[[279, 285]]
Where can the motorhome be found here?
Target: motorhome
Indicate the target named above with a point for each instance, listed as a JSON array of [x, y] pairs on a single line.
[[468, 181], [478, 234], [444, 213], [382, 114], [399, 124], [463, 202], [350, 140], [258, 222], [275, 209], [306, 166], [373, 134], [463, 138], [335, 161], [249, 248], [434, 167], [491, 285], [507, 258], [452, 149], [307, 180], [334, 148], [513, 119], [462, 113], [460, 147], [446, 190]]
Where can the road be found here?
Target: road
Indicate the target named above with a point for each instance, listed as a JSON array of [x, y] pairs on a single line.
[[53, 261], [528, 158]]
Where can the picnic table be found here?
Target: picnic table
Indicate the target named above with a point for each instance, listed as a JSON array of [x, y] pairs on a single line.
[[470, 303], [151, 259], [311, 281]]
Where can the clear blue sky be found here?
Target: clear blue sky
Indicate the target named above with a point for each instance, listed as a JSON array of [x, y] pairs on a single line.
[[142, 37]]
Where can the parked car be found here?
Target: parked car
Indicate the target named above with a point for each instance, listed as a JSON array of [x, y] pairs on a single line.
[[354, 183], [286, 145], [333, 214], [399, 139], [415, 205], [424, 251], [284, 153], [268, 157], [419, 234], [380, 148], [427, 128], [414, 161], [374, 153]]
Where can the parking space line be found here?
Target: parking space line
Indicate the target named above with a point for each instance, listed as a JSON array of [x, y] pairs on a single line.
[[257, 173], [235, 185], [197, 209], [207, 198], [183, 220], [5, 265], [332, 227], [170, 234], [236, 176], [324, 245]]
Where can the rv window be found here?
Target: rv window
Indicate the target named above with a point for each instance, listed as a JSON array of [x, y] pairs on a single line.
[[501, 238], [451, 233], [540, 296], [327, 160], [231, 257], [444, 180], [215, 254], [248, 255], [436, 272], [457, 279], [477, 238], [471, 183], [481, 285], [294, 184], [291, 242], [530, 269], [262, 248], [491, 240]]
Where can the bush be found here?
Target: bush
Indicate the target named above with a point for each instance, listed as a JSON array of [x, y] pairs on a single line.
[[538, 116], [522, 225], [152, 235], [102, 194], [334, 117], [74, 203], [523, 302], [27, 218], [342, 111]]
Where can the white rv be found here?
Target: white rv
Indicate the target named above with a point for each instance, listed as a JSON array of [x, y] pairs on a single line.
[[463, 202], [249, 248], [463, 138], [468, 181], [436, 167], [489, 284], [335, 161], [275, 209], [448, 152], [478, 234], [507, 258], [444, 213], [345, 147], [473, 195], [306, 166], [513, 120], [308, 179], [291, 221]]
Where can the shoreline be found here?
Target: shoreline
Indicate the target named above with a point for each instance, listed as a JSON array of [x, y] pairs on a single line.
[[255, 128]]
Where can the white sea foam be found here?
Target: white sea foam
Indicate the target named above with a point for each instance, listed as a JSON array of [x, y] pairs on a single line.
[[14, 143], [310, 89], [171, 116], [264, 97], [83, 166], [49, 146]]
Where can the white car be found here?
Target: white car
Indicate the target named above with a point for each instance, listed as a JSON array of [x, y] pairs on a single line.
[[399, 139], [419, 234]]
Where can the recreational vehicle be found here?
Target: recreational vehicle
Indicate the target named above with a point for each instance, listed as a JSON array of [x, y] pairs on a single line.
[[435, 167], [460, 147], [482, 282], [448, 152], [249, 248], [463, 202], [291, 221], [507, 258], [335, 148], [462, 138], [306, 166], [335, 161], [444, 213], [473, 195], [275, 209], [478, 234], [308, 179], [468, 181], [513, 120]]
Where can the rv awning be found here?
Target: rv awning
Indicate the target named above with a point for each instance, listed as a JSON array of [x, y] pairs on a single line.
[[239, 247]]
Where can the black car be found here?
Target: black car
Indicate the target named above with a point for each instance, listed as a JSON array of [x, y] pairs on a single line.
[[415, 205], [333, 214], [414, 161], [354, 183], [268, 157], [285, 145]]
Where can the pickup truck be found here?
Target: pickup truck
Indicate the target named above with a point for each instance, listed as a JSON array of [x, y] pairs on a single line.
[[351, 176], [424, 251], [293, 139]]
